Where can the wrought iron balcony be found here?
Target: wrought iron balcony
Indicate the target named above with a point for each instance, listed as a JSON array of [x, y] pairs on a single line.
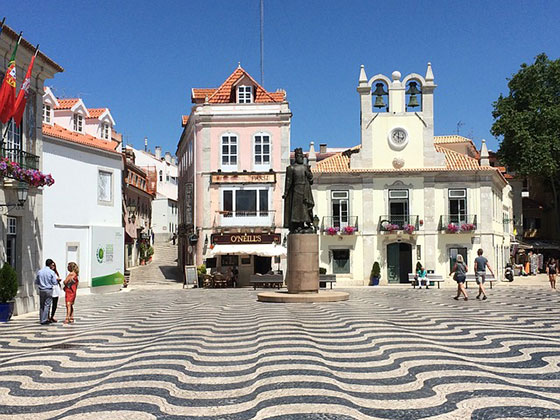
[[457, 223], [332, 225], [23, 159], [394, 222], [244, 218]]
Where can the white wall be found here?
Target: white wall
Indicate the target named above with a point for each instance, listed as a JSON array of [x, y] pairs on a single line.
[[70, 206]]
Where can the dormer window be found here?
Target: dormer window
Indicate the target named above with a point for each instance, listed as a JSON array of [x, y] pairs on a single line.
[[105, 131], [78, 123], [47, 113], [245, 94]]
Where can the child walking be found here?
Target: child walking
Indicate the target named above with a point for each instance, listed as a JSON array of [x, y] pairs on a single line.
[[70, 287]]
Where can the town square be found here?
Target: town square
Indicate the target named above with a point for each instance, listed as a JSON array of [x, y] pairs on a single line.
[[279, 210]]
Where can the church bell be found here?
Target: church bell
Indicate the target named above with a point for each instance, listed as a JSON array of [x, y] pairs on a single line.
[[413, 91], [379, 92]]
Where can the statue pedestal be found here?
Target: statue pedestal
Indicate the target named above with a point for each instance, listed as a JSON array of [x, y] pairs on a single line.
[[302, 275]]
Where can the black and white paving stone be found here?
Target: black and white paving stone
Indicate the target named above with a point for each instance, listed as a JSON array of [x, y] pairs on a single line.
[[387, 353]]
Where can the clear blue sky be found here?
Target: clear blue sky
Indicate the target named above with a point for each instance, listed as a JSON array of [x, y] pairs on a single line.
[[141, 58]]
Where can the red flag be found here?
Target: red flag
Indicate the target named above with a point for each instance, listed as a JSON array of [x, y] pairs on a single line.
[[8, 89], [19, 107]]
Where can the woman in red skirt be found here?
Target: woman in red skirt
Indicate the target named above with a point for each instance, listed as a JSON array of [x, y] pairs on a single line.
[[70, 287]]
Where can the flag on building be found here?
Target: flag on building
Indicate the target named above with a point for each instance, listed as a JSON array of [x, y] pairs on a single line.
[[21, 99], [8, 88]]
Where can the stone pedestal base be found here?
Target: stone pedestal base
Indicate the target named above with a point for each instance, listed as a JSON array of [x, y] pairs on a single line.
[[285, 297], [302, 275]]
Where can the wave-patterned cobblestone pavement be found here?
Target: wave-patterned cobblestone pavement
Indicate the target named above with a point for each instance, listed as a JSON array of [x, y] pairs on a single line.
[[219, 354]]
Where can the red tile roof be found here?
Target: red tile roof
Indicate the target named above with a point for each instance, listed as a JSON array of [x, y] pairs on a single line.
[[59, 132], [95, 112], [66, 103], [226, 92]]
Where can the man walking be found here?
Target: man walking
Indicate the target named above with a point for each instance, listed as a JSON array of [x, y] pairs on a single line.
[[45, 281], [480, 265]]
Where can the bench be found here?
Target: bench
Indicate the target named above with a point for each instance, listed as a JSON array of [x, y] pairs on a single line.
[[471, 277], [266, 280], [327, 278], [434, 278]]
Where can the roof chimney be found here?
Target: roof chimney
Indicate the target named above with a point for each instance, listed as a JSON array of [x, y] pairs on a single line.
[[323, 148], [145, 144], [312, 156], [167, 157], [158, 152]]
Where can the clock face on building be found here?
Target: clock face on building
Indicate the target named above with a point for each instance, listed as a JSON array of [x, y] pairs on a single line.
[[398, 138]]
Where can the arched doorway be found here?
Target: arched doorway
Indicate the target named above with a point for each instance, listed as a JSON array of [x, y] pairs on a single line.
[[399, 262]]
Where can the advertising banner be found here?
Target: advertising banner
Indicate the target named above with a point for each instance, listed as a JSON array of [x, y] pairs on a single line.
[[107, 267]]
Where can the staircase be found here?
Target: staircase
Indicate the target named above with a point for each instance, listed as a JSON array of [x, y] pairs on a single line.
[[161, 272]]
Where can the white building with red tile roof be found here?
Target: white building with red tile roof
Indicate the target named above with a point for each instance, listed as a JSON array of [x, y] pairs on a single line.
[[403, 195], [83, 210], [233, 152]]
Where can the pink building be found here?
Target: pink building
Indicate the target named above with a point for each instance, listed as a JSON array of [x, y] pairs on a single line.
[[232, 154]]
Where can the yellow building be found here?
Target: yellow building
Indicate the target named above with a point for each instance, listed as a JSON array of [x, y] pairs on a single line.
[[404, 195]]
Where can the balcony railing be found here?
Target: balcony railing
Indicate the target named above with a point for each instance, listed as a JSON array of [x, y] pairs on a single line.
[[457, 223], [23, 159], [331, 225], [245, 218], [395, 222]]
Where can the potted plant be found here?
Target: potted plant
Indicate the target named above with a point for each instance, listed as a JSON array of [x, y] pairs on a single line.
[[333, 230], [408, 228], [375, 274], [349, 230], [201, 271], [150, 253], [8, 291], [468, 227], [452, 228], [143, 252]]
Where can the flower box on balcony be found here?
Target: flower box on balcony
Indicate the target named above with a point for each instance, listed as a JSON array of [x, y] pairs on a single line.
[[408, 228], [452, 228], [390, 227], [468, 227], [31, 176], [349, 230], [332, 230]]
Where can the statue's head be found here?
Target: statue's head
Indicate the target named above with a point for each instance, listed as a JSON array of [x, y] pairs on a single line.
[[298, 153]]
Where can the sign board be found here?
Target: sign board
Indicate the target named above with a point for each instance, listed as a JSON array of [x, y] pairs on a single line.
[[246, 238], [189, 203], [243, 178], [191, 275], [107, 246]]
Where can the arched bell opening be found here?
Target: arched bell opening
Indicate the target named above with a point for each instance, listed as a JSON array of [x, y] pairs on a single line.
[[380, 96], [413, 92]]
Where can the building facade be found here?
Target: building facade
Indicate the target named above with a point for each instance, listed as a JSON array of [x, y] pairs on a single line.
[[83, 210], [138, 194], [232, 154], [164, 205], [403, 195], [21, 226]]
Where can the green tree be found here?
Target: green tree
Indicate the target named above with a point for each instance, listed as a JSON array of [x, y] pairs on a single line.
[[528, 123]]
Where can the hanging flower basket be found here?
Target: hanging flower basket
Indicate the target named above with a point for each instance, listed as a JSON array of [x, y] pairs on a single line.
[[332, 230], [31, 176], [452, 228], [408, 228], [349, 230], [468, 227]]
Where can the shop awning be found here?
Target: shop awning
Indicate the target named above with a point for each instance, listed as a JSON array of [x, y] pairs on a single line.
[[262, 250], [538, 244]]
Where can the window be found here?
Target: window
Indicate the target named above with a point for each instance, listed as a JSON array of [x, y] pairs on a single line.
[[13, 141], [339, 202], [11, 240], [105, 187], [245, 94], [105, 131], [262, 150], [398, 206], [78, 123], [229, 151], [47, 114], [161, 175], [457, 205], [341, 261], [245, 203]]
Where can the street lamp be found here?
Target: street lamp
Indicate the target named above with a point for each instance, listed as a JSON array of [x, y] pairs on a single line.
[[21, 195], [132, 212]]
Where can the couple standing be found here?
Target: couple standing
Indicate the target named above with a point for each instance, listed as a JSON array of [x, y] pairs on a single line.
[[48, 283], [460, 269]]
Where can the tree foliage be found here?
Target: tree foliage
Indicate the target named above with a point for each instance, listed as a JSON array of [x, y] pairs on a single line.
[[528, 123], [528, 119], [8, 283]]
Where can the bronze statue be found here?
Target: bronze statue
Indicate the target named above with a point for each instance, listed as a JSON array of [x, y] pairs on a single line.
[[298, 199]]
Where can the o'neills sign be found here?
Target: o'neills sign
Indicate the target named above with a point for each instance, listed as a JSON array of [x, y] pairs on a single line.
[[246, 238], [243, 178]]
